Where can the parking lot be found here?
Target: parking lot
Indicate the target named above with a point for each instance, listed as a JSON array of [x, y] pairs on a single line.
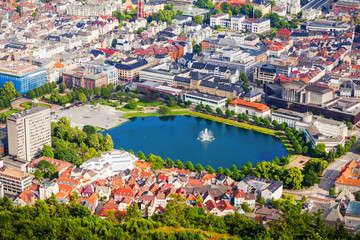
[[101, 116]]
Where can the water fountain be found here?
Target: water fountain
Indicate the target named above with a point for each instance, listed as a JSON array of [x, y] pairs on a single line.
[[206, 136]]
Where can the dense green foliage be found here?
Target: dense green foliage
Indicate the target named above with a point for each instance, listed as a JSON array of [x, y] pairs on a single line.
[[40, 91], [51, 220], [76, 146], [8, 93]]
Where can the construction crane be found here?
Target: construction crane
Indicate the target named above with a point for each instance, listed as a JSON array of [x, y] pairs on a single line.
[[30, 51]]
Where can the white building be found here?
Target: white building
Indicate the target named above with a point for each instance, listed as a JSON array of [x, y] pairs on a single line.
[[326, 131], [14, 180], [249, 108], [28, 132], [239, 23], [111, 72], [159, 73], [110, 163], [296, 120], [206, 99], [261, 187]]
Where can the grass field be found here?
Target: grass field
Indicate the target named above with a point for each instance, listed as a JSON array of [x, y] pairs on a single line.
[[130, 115], [29, 105], [126, 109], [149, 104], [286, 143], [11, 112]]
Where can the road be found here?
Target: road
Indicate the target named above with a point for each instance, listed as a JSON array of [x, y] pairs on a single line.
[[314, 4], [321, 190]]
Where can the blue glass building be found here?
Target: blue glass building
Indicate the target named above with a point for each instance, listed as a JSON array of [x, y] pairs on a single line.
[[25, 82]]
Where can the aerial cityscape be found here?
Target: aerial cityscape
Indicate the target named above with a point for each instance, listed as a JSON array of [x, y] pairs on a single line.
[[178, 119]]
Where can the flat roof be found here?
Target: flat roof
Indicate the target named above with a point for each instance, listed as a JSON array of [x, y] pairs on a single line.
[[27, 112], [206, 96]]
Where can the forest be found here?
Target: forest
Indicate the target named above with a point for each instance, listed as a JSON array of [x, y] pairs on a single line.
[[51, 220]]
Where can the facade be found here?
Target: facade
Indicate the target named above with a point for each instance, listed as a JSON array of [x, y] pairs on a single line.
[[349, 178], [326, 131], [211, 100], [14, 180], [249, 108], [158, 73], [104, 8], [85, 77], [24, 76], [293, 119], [110, 163], [239, 23], [237, 59], [262, 187], [264, 72], [129, 70], [28, 132], [111, 72]]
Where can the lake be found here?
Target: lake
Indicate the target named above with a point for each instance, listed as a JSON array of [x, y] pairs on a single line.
[[176, 137]]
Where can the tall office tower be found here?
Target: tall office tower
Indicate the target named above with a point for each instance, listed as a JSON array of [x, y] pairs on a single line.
[[28, 131]]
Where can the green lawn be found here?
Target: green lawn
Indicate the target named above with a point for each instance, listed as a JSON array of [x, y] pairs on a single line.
[[286, 143], [177, 107], [149, 104], [126, 109], [130, 115], [29, 105], [11, 112]]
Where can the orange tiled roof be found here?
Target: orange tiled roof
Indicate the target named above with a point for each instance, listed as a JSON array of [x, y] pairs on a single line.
[[348, 176], [60, 165], [259, 107]]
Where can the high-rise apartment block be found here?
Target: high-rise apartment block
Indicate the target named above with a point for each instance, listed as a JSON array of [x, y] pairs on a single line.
[[28, 131]]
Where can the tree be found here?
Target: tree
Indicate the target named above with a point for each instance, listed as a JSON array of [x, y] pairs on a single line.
[[131, 104], [156, 161], [262, 201], [93, 141], [8, 90], [31, 94], [245, 207], [18, 10], [108, 143], [228, 113], [88, 129], [208, 108], [209, 169], [82, 98], [199, 168], [220, 170], [164, 110], [257, 14], [284, 160], [357, 196], [319, 151], [179, 164], [219, 111], [62, 88], [171, 102], [189, 166], [349, 125], [200, 106], [245, 117], [47, 151], [244, 78], [169, 162], [141, 155], [197, 19], [310, 179], [179, 12], [332, 192]]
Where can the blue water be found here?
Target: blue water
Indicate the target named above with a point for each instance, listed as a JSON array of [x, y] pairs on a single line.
[[176, 137]]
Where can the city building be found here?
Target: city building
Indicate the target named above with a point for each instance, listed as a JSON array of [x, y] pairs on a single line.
[[61, 166], [240, 23], [111, 72], [352, 216], [28, 132], [206, 99], [336, 108], [24, 76], [111, 163], [129, 69], [349, 178], [237, 59], [85, 77], [14, 180], [269, 189], [95, 9], [326, 131], [158, 73], [293, 119], [249, 108]]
